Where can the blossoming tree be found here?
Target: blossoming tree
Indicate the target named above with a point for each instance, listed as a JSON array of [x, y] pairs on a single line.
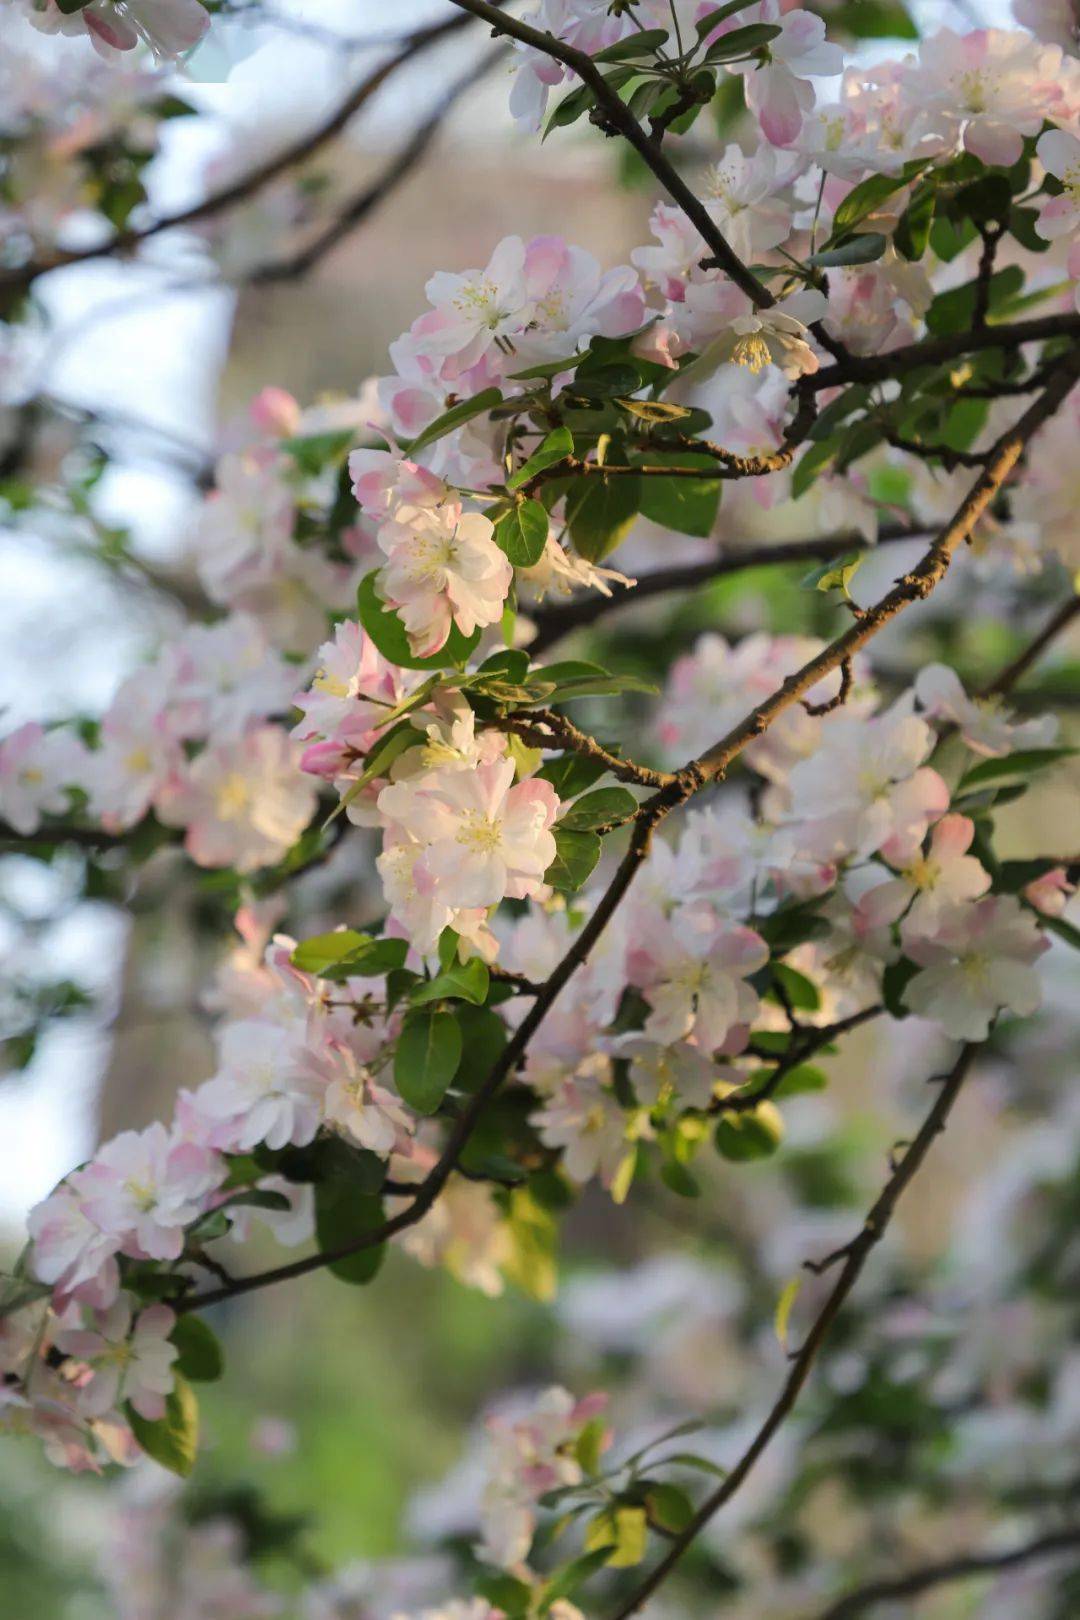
[[630, 908]]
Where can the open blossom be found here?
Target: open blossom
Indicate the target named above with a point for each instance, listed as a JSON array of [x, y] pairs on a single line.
[[128, 1357], [443, 568], [929, 886], [219, 677], [582, 1118], [777, 91], [36, 767], [465, 1232], [358, 1105], [588, 25], [692, 970], [471, 310], [866, 787], [144, 1187], [169, 27], [717, 318], [999, 84], [70, 1251], [529, 1455], [138, 751], [350, 694], [985, 724], [244, 802], [572, 300], [667, 1072], [265, 1089], [484, 837], [978, 964]]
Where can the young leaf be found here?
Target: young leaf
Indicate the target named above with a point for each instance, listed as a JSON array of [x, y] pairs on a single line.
[[637, 44], [522, 533], [455, 417], [426, 1056], [784, 1305], [344, 1215], [576, 855], [556, 447], [200, 1355], [171, 1440], [741, 42], [461, 981], [687, 505], [599, 809], [857, 250]]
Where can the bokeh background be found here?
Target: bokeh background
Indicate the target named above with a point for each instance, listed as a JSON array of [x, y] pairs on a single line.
[[350, 1407]]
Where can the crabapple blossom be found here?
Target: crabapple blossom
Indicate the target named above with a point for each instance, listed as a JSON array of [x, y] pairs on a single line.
[[137, 755], [466, 1233], [867, 788], [266, 1089], [777, 91], [588, 25], [484, 836], [661, 1072], [985, 724], [351, 691], [529, 1455], [997, 84], [692, 969], [36, 768], [1058, 150], [144, 1187], [71, 1251], [977, 964], [358, 1105], [931, 885], [243, 803], [128, 1356], [572, 300], [581, 1117], [1050, 894], [443, 568], [169, 27], [718, 318]]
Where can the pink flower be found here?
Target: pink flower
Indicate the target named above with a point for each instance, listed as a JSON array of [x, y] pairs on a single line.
[[244, 803], [777, 91], [1050, 893], [359, 1106], [985, 724], [128, 1358], [266, 1089], [443, 568], [169, 27], [692, 970], [929, 885], [1059, 153], [979, 963], [999, 85], [70, 1251], [144, 1187], [349, 697]]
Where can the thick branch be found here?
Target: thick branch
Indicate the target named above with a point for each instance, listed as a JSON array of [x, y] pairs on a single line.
[[960, 1568], [871, 1234], [255, 179], [870, 368], [553, 623]]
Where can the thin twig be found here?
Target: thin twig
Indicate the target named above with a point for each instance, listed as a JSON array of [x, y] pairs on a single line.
[[871, 1234], [1031, 654]]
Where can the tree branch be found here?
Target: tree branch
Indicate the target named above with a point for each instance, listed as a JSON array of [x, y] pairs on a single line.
[[620, 118], [870, 368], [21, 276], [1031, 654], [871, 1234], [960, 1568]]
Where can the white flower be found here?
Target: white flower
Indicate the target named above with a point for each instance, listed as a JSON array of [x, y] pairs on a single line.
[[130, 1356], [443, 567], [866, 787], [36, 767], [583, 1120], [244, 802], [931, 884], [662, 1072], [144, 1187], [692, 970], [977, 965], [985, 724], [361, 1108], [999, 84], [266, 1089]]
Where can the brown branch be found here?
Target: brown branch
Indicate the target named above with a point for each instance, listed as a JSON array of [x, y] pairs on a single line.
[[991, 236], [1031, 654], [544, 728], [357, 210], [870, 368], [20, 277], [915, 586], [555, 622], [950, 458], [619, 117], [961, 1568], [805, 1043], [802, 1364]]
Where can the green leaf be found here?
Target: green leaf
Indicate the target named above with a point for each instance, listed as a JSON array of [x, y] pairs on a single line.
[[556, 447], [455, 417], [782, 1317], [576, 855], [856, 250], [313, 451], [912, 233], [741, 42], [669, 1507], [532, 1231], [461, 981], [1064, 929], [569, 109], [705, 25], [589, 1445], [655, 410], [172, 1440], [868, 196], [345, 953], [800, 991], [623, 1532], [755, 1134], [522, 533], [200, 1355], [571, 774], [388, 633], [598, 809], [426, 1056], [990, 772], [605, 381], [952, 311], [510, 1596], [802, 1078], [600, 512], [874, 19], [637, 44], [677, 1178], [16, 1293], [572, 1575], [346, 1215], [835, 575], [687, 505]]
